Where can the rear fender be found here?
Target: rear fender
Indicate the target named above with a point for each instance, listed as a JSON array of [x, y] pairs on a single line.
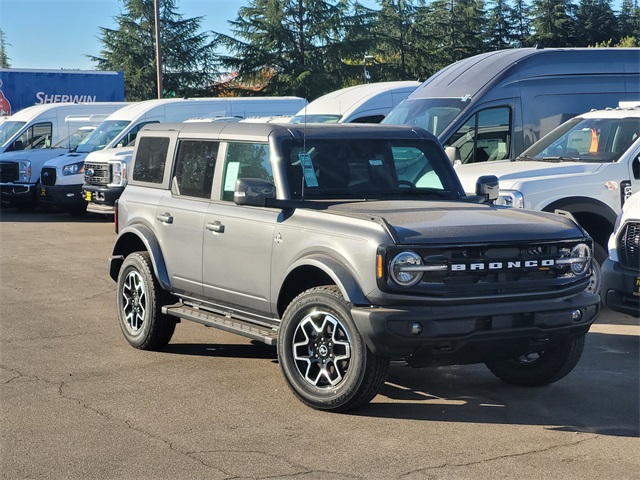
[[135, 238]]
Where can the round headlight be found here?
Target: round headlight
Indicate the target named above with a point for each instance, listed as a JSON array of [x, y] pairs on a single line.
[[580, 258], [403, 269]]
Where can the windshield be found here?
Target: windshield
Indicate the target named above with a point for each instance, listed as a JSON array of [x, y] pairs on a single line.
[[367, 168], [432, 114], [8, 129], [72, 141], [102, 135], [318, 118], [586, 140]]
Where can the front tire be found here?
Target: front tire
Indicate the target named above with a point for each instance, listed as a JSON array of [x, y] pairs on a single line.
[[537, 369], [323, 358], [140, 301]]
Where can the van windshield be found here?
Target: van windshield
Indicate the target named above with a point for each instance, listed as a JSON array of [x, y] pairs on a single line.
[[432, 114], [70, 142], [318, 118], [102, 135], [8, 129], [586, 140]]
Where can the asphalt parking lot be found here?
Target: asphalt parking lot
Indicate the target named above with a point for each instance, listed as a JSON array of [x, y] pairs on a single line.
[[78, 402]]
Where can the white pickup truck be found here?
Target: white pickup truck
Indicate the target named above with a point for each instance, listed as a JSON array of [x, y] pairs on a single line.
[[588, 166]]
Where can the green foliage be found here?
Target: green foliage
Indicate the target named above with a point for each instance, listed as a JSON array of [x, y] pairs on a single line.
[[4, 58], [188, 57], [553, 23]]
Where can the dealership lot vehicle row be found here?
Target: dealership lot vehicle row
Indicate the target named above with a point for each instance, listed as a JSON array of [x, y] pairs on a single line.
[[78, 402]]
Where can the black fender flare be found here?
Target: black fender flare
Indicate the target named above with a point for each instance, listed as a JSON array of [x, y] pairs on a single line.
[[123, 247], [337, 271], [575, 205]]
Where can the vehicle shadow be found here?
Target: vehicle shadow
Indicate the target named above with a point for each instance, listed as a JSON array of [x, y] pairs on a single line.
[[254, 350], [601, 395], [13, 215]]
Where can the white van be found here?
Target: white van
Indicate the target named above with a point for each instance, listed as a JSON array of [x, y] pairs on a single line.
[[41, 126], [63, 177], [367, 103]]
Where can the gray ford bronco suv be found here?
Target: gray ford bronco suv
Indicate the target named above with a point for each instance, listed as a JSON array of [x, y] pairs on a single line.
[[346, 246]]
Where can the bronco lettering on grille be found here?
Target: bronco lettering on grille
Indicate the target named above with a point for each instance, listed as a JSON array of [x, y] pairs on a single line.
[[509, 265]]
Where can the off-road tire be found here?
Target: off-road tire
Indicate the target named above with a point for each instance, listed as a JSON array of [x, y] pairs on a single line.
[[541, 368], [140, 300], [333, 370]]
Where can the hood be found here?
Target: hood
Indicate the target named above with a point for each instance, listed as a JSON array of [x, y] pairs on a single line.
[[38, 155], [509, 173], [65, 159], [426, 222]]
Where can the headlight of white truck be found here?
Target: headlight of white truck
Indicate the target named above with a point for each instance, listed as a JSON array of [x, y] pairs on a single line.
[[510, 198], [73, 168], [118, 173], [24, 171]]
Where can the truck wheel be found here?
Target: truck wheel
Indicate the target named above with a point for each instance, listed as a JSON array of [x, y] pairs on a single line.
[[600, 254], [541, 368], [140, 301], [323, 358]]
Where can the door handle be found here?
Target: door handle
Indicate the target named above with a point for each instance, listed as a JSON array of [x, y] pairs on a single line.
[[165, 218], [215, 227]]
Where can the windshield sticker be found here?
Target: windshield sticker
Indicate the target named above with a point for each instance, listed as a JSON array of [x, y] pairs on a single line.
[[307, 170], [376, 162], [232, 176]]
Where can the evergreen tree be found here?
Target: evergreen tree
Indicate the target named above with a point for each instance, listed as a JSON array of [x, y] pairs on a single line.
[[552, 23], [597, 23], [502, 22], [521, 23], [457, 28], [629, 19], [188, 57], [4, 58], [295, 47], [400, 37]]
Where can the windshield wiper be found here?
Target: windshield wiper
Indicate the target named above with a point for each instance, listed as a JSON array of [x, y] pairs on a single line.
[[521, 158], [560, 159], [420, 192]]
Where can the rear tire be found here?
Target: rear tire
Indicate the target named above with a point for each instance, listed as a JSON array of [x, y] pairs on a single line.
[[140, 302], [537, 369], [323, 358]]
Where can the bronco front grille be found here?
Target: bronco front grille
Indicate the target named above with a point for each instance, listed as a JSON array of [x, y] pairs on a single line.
[[8, 171], [629, 245], [477, 271], [97, 173], [48, 176]]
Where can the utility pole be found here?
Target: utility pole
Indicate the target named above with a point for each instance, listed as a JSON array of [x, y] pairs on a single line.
[[156, 12]]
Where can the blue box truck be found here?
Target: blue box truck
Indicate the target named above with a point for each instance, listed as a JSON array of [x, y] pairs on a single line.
[[24, 88]]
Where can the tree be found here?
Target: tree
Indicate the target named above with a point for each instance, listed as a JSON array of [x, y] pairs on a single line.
[[188, 57], [629, 19], [400, 37], [501, 25], [597, 23], [4, 58], [553, 23], [522, 23], [295, 47]]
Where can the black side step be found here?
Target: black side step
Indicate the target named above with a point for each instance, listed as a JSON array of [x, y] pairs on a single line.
[[240, 327]]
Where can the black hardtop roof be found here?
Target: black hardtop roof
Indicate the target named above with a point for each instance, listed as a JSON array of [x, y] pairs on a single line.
[[262, 131], [470, 75]]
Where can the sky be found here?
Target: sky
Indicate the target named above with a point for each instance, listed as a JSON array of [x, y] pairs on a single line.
[[58, 34]]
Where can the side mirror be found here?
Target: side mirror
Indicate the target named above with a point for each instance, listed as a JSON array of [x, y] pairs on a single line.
[[453, 154], [488, 187], [253, 191]]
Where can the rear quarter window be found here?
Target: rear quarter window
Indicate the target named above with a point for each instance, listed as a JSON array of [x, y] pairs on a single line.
[[150, 160]]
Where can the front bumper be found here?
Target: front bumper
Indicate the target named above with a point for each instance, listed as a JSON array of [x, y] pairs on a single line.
[[63, 197], [101, 195], [18, 193], [621, 288], [459, 334]]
